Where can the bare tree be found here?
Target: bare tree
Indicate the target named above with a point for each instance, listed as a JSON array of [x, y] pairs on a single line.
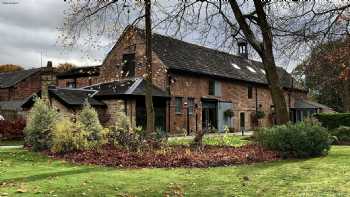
[[64, 67], [102, 19], [270, 27], [10, 68]]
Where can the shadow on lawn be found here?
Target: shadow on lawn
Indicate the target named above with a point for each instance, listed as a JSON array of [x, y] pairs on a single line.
[[49, 175]]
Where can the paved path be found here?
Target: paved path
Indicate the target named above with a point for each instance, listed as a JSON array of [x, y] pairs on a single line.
[[10, 147], [247, 133]]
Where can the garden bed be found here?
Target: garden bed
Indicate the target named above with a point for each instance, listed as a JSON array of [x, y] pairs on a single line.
[[172, 156]]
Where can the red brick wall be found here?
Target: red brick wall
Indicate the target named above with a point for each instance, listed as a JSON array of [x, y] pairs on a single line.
[[187, 86], [4, 94], [22, 89], [80, 82], [131, 43]]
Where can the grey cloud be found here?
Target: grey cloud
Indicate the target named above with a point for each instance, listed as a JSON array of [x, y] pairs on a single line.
[[28, 31]]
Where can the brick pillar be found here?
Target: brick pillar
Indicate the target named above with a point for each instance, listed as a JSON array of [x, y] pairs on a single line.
[[48, 78]]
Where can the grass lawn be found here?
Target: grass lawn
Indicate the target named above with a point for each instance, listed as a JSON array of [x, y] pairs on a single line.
[[11, 143], [212, 139], [23, 173]]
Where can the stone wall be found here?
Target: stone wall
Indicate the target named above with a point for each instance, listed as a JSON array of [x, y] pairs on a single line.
[[113, 107]]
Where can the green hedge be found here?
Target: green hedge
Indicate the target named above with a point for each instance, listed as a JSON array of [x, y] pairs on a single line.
[[301, 140], [333, 121], [342, 135]]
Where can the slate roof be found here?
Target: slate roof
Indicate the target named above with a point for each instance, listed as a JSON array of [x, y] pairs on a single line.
[[75, 97], [12, 78], [184, 56], [134, 86], [86, 71], [12, 105], [307, 104]]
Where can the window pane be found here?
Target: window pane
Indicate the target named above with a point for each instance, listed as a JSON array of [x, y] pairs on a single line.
[[178, 101], [250, 92], [190, 105], [129, 65], [211, 87], [217, 88], [71, 84]]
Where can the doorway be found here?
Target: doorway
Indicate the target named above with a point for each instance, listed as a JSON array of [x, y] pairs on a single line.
[[242, 121], [209, 115], [159, 113]]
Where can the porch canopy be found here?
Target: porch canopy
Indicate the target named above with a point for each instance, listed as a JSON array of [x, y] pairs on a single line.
[[124, 88], [305, 108]]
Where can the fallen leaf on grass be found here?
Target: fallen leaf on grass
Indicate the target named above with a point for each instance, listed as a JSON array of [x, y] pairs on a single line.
[[21, 190]]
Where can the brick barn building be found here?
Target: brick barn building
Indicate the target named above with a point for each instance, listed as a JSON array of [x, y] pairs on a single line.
[[194, 87]]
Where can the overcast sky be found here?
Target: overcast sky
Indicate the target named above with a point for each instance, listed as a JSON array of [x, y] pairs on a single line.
[[28, 33]]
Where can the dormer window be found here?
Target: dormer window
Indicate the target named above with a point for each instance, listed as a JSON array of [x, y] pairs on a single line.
[[128, 65], [242, 48]]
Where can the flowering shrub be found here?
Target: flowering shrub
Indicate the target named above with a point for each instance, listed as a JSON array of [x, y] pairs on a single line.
[[12, 129]]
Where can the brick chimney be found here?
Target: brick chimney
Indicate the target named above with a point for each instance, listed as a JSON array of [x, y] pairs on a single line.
[[242, 48], [48, 79]]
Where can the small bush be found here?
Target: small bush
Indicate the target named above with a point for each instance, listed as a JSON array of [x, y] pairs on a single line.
[[334, 120], [88, 122], [68, 136], [342, 135], [40, 122], [301, 140], [11, 130], [124, 135]]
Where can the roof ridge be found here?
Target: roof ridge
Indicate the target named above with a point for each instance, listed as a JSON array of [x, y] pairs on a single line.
[[75, 89], [18, 71]]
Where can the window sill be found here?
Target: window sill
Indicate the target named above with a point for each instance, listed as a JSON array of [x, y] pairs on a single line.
[[178, 113]]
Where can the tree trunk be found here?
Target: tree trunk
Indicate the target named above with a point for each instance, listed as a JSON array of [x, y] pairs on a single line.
[[346, 98], [277, 94], [149, 75], [264, 49]]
